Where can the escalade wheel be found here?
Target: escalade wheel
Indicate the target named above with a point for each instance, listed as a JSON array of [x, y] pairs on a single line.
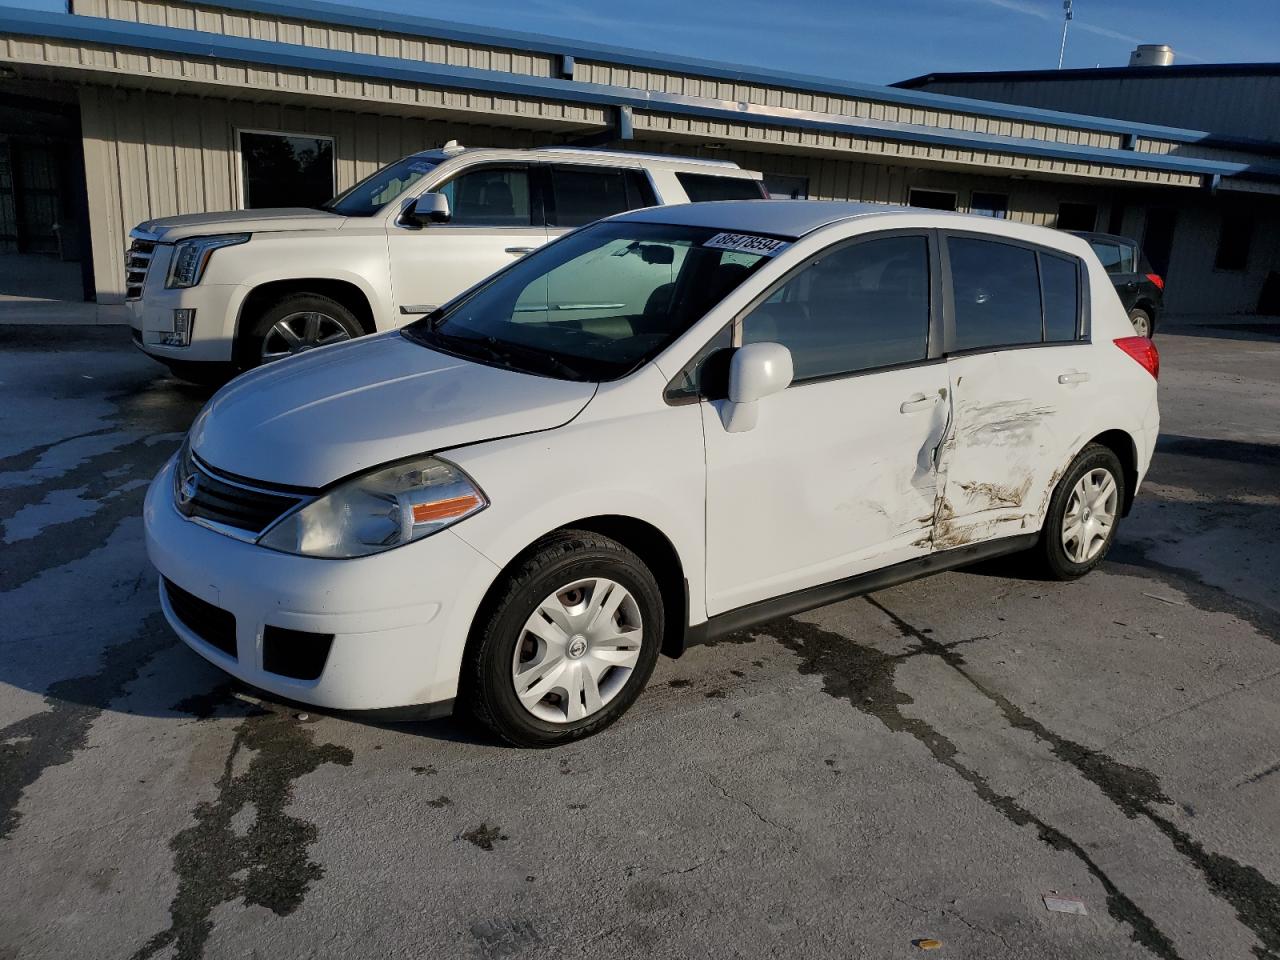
[[568, 644], [1083, 515], [295, 324]]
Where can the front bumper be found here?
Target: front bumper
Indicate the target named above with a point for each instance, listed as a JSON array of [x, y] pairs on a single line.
[[212, 333], [399, 619]]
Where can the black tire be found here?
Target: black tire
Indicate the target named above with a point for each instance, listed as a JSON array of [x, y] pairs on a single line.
[[1144, 325], [1050, 552], [254, 330], [203, 374], [488, 689]]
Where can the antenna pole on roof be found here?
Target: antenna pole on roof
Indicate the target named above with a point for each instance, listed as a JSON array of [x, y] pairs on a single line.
[[1066, 21]]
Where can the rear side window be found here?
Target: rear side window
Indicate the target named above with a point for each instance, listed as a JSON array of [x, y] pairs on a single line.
[[583, 195], [858, 307], [997, 293], [701, 187], [1115, 257], [1060, 281]]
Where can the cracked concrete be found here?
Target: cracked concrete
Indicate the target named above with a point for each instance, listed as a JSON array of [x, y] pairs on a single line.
[[926, 762]]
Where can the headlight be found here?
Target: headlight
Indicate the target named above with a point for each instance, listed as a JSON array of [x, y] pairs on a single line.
[[190, 257], [385, 508]]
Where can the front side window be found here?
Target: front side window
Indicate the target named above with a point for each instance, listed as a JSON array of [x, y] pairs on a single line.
[[285, 170], [586, 194], [700, 187], [490, 197], [598, 303], [996, 292], [860, 306], [381, 187]]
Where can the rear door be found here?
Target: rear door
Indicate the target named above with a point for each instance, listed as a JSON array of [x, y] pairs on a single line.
[[1019, 365], [496, 217], [838, 476], [578, 194]]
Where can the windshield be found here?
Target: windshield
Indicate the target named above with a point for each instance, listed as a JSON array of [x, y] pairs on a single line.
[[599, 303], [378, 189]]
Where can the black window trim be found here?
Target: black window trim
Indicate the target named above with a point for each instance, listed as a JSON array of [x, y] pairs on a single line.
[[933, 347], [539, 194], [1084, 332]]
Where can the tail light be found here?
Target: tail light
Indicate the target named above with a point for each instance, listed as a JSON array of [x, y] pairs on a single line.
[[1142, 350], [1157, 280]]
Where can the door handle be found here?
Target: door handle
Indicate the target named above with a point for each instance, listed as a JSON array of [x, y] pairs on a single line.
[[520, 251], [1075, 376], [917, 403]]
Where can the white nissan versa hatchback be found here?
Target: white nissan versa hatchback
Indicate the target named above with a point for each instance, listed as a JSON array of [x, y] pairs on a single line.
[[661, 427]]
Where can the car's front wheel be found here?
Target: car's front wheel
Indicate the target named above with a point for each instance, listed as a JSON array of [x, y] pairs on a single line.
[[295, 324], [567, 644], [1083, 515]]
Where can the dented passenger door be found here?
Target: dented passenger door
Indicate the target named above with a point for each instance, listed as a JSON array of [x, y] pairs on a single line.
[[839, 474], [1018, 366]]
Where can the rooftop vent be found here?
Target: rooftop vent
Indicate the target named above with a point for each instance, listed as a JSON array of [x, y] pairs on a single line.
[[1152, 55]]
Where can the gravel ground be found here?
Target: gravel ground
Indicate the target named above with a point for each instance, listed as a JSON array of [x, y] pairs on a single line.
[[927, 762]]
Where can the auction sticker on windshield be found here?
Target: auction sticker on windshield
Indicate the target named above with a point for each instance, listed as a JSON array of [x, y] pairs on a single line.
[[747, 243]]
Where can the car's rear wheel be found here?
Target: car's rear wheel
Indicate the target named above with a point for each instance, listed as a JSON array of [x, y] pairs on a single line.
[[1143, 325], [567, 644], [1083, 515], [295, 324]]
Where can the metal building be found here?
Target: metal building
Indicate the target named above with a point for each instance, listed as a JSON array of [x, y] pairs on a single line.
[[1221, 247], [171, 106]]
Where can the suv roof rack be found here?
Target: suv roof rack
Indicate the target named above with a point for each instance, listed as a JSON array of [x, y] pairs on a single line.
[[669, 158]]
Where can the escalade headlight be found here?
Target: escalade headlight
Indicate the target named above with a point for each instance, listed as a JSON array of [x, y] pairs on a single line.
[[385, 508], [190, 257]]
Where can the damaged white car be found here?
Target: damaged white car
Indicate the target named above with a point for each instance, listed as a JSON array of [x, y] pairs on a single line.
[[664, 426]]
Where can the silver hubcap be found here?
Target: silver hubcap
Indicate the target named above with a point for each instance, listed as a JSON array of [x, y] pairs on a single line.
[[301, 331], [576, 652], [1090, 516], [1141, 325]]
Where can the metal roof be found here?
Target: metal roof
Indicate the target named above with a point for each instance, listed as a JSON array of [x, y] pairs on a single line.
[[1098, 73], [148, 37]]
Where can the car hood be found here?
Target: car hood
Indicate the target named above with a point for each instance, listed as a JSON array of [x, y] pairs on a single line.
[[169, 229], [313, 419]]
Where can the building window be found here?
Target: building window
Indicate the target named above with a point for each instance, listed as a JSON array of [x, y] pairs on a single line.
[[285, 169], [1077, 216], [1233, 242], [783, 187], [990, 205], [932, 199]]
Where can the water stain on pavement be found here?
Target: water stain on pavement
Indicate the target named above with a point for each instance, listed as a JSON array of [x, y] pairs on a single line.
[[30, 746], [268, 865]]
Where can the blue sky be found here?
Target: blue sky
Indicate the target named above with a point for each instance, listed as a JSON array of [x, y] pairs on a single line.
[[883, 41]]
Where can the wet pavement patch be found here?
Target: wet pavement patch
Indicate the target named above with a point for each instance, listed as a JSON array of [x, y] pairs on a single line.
[[269, 865], [484, 836], [52, 737]]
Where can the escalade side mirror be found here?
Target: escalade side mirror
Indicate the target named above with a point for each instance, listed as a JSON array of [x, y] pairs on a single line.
[[430, 208], [757, 370]]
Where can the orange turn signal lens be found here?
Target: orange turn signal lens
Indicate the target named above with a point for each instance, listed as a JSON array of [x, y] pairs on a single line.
[[445, 509]]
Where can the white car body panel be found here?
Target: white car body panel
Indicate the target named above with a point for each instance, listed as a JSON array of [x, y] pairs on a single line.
[[836, 479]]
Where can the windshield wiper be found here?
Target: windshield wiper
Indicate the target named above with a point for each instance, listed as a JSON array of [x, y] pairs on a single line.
[[503, 353]]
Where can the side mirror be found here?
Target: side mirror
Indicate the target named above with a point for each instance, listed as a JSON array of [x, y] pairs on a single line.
[[430, 208], [756, 371]]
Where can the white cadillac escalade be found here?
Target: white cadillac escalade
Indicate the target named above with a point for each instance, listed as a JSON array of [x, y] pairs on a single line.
[[212, 293]]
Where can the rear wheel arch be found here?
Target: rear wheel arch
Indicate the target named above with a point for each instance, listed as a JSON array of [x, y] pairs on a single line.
[[1123, 446]]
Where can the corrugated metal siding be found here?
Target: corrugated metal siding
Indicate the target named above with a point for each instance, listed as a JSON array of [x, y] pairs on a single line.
[[151, 154], [211, 18], [1235, 106]]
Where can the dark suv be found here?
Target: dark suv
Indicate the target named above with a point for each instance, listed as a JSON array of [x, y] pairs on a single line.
[[1141, 289]]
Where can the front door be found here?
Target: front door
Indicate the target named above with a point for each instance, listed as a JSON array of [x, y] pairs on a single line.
[[839, 474], [1017, 371], [496, 217]]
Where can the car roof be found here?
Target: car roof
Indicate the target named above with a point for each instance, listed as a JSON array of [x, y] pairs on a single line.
[[727, 168], [796, 218]]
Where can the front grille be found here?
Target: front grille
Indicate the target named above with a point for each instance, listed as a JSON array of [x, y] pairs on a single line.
[[136, 263], [295, 653], [211, 624], [200, 493]]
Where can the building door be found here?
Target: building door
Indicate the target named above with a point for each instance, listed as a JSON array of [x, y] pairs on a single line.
[[1157, 239]]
